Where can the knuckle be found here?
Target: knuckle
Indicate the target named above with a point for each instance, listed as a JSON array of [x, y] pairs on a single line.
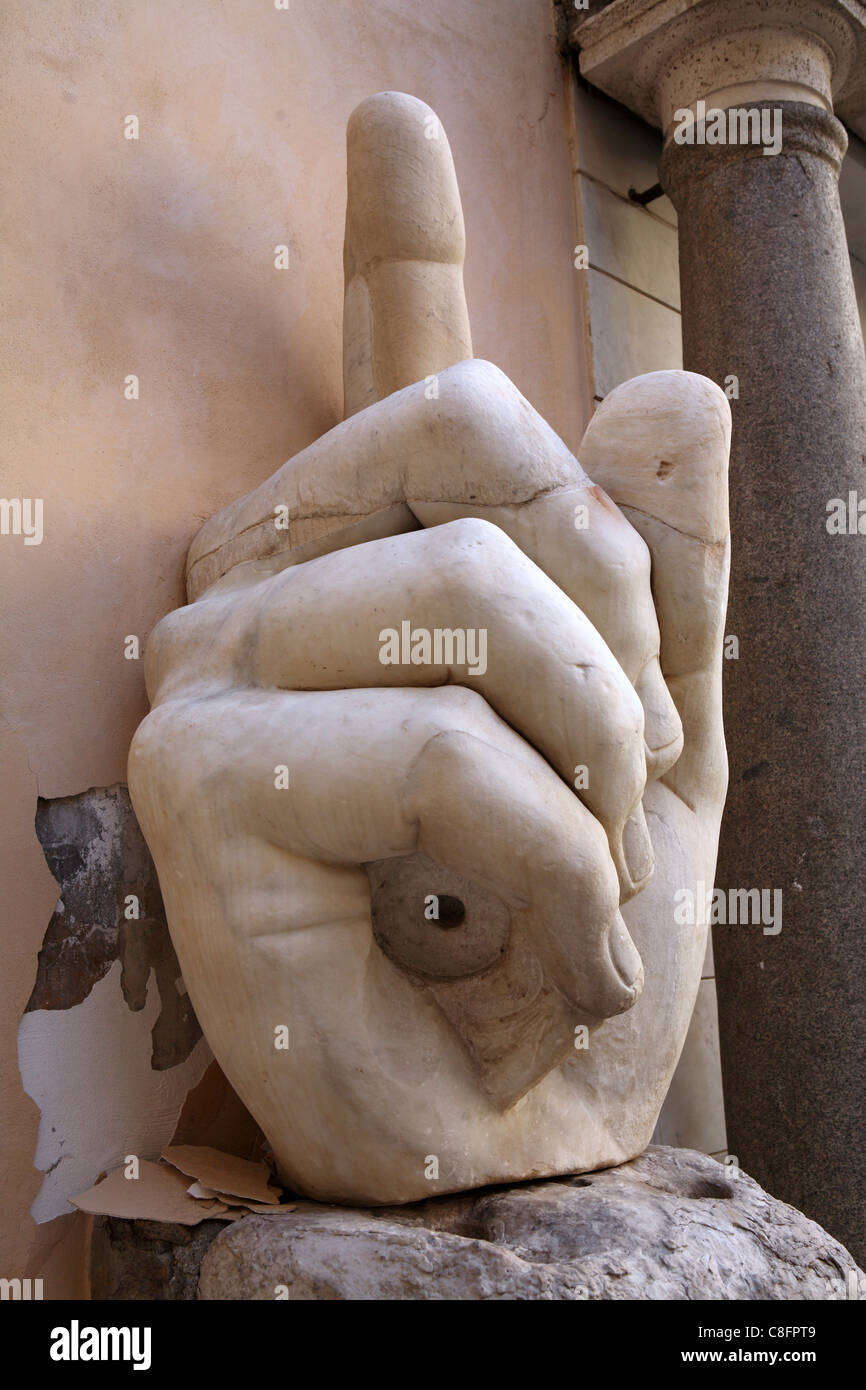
[[468, 553], [459, 709], [149, 760], [454, 726], [633, 561], [469, 532], [487, 422], [170, 633], [476, 382]]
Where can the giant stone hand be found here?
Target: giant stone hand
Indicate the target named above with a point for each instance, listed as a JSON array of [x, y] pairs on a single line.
[[438, 738]]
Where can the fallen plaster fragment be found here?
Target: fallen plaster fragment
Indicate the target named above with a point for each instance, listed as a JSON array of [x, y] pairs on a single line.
[[224, 1173], [197, 1189], [88, 1069], [158, 1194]]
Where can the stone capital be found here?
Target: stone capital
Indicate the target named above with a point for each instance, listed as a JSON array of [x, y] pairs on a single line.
[[658, 57], [805, 130]]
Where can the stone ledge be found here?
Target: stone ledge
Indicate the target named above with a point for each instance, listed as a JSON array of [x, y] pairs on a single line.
[[654, 56]]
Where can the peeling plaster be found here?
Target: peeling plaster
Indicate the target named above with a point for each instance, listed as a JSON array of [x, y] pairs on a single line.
[[88, 1069], [96, 851]]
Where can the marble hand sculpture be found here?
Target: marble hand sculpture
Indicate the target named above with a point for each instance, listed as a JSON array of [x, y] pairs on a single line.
[[438, 737]]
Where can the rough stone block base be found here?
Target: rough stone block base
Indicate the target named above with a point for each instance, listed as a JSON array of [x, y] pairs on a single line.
[[672, 1224]]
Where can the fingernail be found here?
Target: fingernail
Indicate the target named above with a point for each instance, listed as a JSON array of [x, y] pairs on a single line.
[[664, 730], [624, 954], [637, 850]]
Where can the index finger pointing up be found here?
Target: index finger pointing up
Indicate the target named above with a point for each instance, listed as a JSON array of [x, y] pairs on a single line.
[[404, 314]]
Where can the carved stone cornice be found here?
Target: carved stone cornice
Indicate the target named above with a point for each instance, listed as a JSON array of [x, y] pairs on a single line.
[[660, 56]]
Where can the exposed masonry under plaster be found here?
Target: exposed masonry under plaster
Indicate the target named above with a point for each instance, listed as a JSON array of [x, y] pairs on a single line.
[[97, 853], [108, 1059]]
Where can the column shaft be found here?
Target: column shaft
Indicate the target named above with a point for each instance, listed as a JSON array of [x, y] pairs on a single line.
[[768, 297]]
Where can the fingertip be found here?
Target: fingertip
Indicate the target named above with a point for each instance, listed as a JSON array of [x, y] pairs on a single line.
[[660, 443], [636, 861], [662, 723], [403, 197], [626, 960]]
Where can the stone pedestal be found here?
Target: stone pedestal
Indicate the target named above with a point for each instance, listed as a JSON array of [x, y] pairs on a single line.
[[672, 1224], [769, 313]]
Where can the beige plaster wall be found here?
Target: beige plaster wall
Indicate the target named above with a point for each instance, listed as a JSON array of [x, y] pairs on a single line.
[[155, 257]]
